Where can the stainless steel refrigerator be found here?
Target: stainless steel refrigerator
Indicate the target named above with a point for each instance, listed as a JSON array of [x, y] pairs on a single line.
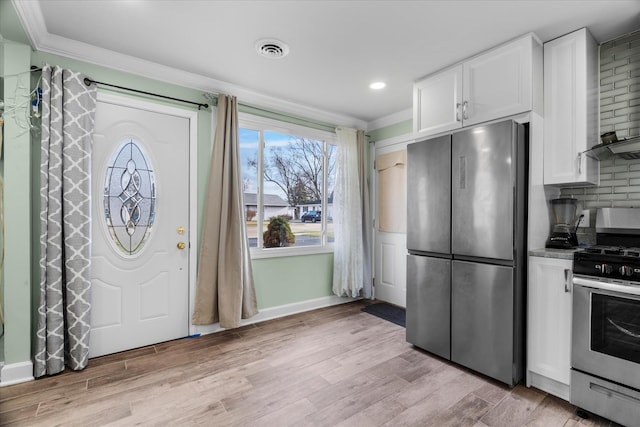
[[466, 228]]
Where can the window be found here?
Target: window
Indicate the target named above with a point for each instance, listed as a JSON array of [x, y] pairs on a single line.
[[129, 197], [287, 177]]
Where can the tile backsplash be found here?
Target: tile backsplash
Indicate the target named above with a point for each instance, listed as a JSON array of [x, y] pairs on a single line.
[[620, 112]]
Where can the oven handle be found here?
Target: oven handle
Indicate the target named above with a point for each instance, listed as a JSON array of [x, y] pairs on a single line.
[[606, 286]]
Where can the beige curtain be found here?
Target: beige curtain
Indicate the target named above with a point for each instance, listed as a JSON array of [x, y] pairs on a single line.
[[367, 277], [225, 291]]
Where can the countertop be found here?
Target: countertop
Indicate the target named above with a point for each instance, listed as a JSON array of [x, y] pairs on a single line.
[[554, 253]]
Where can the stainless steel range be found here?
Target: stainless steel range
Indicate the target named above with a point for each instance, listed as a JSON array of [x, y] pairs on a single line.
[[605, 350]]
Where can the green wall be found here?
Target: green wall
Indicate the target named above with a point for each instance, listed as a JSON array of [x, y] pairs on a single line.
[[16, 280], [279, 281], [288, 280], [396, 129], [10, 27]]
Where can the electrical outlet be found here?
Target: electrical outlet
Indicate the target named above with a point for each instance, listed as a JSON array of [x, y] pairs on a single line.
[[584, 221]]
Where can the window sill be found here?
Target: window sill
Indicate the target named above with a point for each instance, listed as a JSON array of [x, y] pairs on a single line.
[[290, 252]]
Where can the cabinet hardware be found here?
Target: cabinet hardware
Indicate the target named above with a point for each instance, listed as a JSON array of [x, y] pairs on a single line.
[[567, 277]]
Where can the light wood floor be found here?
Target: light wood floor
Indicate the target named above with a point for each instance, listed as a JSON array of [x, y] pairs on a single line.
[[329, 367]]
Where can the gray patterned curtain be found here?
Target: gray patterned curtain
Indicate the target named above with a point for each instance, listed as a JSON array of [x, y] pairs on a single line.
[[64, 316]]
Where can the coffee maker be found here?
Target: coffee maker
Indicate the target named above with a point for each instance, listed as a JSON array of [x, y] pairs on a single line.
[[563, 229]]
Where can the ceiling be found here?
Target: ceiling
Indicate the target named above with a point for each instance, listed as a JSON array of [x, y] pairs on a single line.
[[336, 47]]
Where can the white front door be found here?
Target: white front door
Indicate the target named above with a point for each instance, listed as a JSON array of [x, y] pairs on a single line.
[[140, 191]]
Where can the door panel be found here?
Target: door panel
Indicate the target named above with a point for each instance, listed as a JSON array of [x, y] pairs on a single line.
[[482, 318], [140, 292], [429, 190], [483, 183], [428, 304], [390, 274]]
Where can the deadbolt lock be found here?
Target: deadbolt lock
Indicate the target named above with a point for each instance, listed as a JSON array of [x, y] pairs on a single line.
[[180, 230], [181, 245]]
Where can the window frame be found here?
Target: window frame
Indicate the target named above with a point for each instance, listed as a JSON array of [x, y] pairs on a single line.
[[263, 124]]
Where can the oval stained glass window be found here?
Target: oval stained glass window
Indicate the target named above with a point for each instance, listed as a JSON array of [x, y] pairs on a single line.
[[129, 197]]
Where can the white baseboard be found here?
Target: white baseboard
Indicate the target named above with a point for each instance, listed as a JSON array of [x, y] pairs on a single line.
[[276, 312], [16, 373]]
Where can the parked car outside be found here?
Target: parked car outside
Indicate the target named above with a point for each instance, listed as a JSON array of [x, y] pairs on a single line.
[[312, 216]]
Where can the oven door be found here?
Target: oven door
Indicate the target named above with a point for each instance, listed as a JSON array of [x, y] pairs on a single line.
[[606, 330]]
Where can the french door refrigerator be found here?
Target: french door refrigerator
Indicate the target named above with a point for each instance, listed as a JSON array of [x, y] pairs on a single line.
[[466, 227]]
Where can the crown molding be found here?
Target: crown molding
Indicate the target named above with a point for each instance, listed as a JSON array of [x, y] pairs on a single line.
[[391, 119], [41, 40]]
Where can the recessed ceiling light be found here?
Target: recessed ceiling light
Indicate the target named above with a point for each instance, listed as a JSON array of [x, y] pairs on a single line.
[[377, 85], [272, 48]]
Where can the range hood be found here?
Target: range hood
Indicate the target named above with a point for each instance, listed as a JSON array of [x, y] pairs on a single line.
[[627, 149]]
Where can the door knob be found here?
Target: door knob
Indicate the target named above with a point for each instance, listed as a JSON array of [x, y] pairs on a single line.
[[181, 245]]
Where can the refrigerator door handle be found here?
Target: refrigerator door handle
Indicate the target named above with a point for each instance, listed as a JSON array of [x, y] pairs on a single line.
[[463, 172]]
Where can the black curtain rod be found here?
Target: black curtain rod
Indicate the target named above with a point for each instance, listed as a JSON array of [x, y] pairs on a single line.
[[89, 82]]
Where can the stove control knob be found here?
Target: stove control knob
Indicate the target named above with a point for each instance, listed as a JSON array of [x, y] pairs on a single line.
[[625, 270], [604, 268]]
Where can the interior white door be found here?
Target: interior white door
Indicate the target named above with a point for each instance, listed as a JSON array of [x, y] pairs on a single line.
[[390, 271], [140, 244]]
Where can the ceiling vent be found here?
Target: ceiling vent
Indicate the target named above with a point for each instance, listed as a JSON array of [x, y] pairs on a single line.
[[272, 48]]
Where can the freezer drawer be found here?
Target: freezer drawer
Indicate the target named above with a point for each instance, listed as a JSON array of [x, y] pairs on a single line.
[[428, 304], [482, 319]]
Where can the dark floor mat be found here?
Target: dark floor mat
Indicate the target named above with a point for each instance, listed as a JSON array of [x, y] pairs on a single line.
[[388, 312]]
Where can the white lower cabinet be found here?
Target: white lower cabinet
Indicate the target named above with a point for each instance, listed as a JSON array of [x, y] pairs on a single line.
[[549, 325]]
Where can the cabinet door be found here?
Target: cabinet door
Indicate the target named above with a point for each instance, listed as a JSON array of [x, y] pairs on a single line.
[[570, 109], [498, 83], [437, 102], [549, 322]]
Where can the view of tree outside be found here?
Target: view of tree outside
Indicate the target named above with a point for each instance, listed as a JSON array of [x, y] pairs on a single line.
[[293, 180]]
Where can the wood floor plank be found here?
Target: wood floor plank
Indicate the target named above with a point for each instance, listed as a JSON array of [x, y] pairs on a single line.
[[290, 415], [355, 402], [335, 366], [22, 413], [465, 412], [375, 415], [436, 403], [427, 385], [515, 408]]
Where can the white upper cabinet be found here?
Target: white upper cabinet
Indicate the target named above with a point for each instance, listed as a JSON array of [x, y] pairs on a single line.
[[437, 102], [495, 84], [498, 83], [570, 109]]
